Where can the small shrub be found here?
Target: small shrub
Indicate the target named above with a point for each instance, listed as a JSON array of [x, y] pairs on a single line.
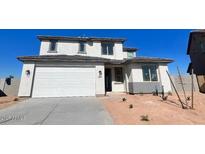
[[188, 98], [124, 99], [164, 98], [144, 118], [154, 93], [130, 106], [169, 93], [16, 99]]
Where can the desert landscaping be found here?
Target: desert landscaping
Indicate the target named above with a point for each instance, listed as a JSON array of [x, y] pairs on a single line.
[[145, 109], [7, 101]]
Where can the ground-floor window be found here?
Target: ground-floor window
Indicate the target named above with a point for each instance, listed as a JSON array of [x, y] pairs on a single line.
[[118, 74], [149, 72]]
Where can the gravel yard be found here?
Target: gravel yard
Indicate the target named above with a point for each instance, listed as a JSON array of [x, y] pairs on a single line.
[[153, 110], [8, 101]]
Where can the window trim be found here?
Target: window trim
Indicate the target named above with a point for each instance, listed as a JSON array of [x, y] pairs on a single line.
[[79, 51], [107, 48], [50, 43], [150, 76], [122, 81]]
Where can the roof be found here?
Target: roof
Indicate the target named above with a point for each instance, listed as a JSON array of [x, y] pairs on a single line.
[[198, 31], [72, 38], [128, 49], [139, 59], [194, 32], [68, 58], [78, 58]]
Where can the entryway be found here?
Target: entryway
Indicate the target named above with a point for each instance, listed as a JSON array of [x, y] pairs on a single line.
[[108, 79]]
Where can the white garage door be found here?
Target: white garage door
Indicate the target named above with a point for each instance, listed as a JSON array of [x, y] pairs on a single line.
[[64, 81]]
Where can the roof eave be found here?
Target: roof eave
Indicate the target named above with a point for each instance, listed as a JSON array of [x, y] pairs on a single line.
[[60, 59], [127, 49], [167, 62], [41, 37], [150, 61]]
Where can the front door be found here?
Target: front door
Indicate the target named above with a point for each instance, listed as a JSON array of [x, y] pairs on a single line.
[[108, 79]]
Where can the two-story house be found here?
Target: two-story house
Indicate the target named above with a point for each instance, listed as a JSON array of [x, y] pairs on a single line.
[[196, 51], [90, 66]]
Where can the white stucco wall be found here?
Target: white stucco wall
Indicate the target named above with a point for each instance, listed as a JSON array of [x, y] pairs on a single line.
[[72, 48], [44, 46], [164, 77], [124, 54], [26, 81], [118, 51], [100, 80], [133, 73], [136, 72], [117, 86], [2, 81]]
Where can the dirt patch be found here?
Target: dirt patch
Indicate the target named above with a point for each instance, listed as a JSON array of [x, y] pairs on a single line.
[[154, 109], [8, 101]]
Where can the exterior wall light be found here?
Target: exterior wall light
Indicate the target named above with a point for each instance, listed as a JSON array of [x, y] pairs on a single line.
[[28, 73], [100, 74]]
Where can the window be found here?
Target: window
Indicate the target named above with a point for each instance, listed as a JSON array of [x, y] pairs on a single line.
[[146, 75], [199, 45], [149, 73], [53, 45], [107, 48], [82, 47], [118, 74], [202, 45], [130, 54]]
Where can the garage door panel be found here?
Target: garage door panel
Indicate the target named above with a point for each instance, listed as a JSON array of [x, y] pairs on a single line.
[[62, 82]]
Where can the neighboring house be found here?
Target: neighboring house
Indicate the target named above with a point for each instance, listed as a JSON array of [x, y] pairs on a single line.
[[9, 86], [196, 51], [90, 66]]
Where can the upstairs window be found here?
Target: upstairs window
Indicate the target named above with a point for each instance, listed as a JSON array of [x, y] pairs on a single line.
[[149, 73], [82, 47], [118, 74], [107, 48], [130, 54], [53, 46], [202, 46]]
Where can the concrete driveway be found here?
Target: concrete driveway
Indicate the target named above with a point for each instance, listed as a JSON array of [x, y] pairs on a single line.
[[56, 111]]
